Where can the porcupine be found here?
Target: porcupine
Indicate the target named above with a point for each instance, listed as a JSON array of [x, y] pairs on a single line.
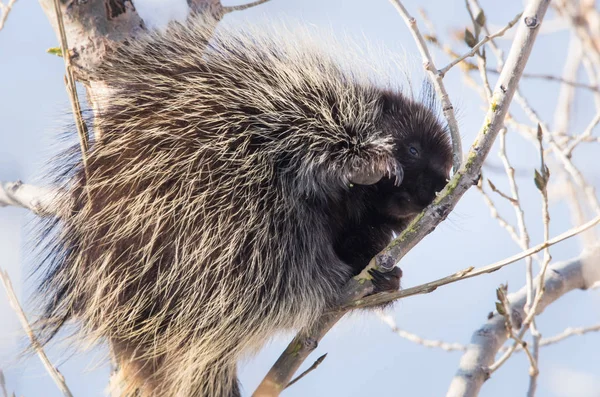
[[240, 180]]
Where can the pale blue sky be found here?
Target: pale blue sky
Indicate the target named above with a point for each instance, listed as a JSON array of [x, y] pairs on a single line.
[[364, 357]]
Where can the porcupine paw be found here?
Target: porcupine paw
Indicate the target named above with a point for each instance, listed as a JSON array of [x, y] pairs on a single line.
[[369, 172], [386, 281]]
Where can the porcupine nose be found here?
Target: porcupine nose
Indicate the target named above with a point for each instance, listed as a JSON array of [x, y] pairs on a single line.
[[429, 185]]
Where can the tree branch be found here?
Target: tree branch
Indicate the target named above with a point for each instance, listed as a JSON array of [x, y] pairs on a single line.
[[385, 297], [14, 302], [578, 273], [317, 362], [82, 131], [242, 7], [477, 46], [437, 80], [37, 199], [424, 223], [4, 11]]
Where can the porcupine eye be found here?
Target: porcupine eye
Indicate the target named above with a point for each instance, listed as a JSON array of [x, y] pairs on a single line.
[[413, 151]]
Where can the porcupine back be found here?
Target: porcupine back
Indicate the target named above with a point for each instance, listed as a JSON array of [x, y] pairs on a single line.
[[191, 241]]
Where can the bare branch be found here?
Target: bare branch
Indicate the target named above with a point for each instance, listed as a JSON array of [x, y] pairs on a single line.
[[3, 384], [34, 198], [557, 79], [82, 131], [4, 11], [227, 10], [92, 27], [541, 180], [583, 136], [384, 297], [505, 310], [283, 370], [437, 80], [389, 320], [453, 346], [14, 302], [567, 333], [317, 362], [477, 46], [579, 273]]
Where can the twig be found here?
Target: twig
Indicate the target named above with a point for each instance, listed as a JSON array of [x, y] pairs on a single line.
[[478, 22], [520, 214], [3, 384], [496, 215], [566, 95], [583, 136], [242, 7], [477, 46], [14, 302], [284, 368], [82, 131], [560, 154], [567, 333], [557, 79], [4, 11], [541, 181], [577, 216], [317, 362], [505, 310], [385, 297], [389, 320], [437, 80], [499, 192], [578, 273], [453, 346]]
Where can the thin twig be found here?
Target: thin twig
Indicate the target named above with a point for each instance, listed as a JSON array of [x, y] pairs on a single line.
[[567, 333], [317, 362], [14, 302], [477, 46], [453, 346], [560, 154], [578, 273], [500, 192], [3, 384], [520, 214], [481, 57], [553, 78], [389, 320], [566, 95], [82, 131], [437, 80], [385, 297], [496, 215], [583, 136], [577, 214], [541, 179], [4, 11], [510, 328], [242, 7]]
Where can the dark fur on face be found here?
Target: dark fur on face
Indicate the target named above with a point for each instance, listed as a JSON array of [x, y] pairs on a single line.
[[235, 189], [422, 147]]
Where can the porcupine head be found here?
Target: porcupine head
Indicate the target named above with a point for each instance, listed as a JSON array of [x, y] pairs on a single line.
[[237, 181]]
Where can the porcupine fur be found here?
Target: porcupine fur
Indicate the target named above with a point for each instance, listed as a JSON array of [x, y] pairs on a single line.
[[230, 196]]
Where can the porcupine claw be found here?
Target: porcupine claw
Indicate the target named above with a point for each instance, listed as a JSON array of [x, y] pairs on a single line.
[[372, 176], [386, 281]]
